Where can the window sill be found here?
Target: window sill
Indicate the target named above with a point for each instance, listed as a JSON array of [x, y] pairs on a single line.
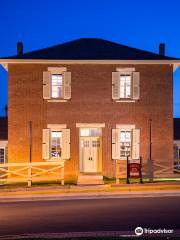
[[54, 160], [121, 159], [126, 100], [57, 100]]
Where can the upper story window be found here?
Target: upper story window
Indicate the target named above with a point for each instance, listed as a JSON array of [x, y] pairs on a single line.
[[56, 86], [125, 85]]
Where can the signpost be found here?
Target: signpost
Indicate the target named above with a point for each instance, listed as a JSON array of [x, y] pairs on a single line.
[[134, 169]]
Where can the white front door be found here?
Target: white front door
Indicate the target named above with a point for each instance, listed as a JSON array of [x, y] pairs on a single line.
[[89, 153]]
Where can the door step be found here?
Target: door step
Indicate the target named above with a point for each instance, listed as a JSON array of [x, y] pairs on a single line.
[[90, 179]]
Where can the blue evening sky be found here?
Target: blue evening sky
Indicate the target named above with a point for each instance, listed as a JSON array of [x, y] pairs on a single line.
[[137, 23]]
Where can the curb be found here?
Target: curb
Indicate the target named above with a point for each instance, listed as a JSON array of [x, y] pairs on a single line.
[[87, 196]]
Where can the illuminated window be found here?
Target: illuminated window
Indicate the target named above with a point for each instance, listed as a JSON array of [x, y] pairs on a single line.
[[56, 86], [125, 86], [90, 132], [125, 143], [56, 144], [2, 155]]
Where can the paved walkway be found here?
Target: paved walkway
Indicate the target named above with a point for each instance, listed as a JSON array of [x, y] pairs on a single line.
[[87, 192]]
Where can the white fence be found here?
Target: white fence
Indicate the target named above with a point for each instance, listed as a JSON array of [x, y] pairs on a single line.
[[29, 172]]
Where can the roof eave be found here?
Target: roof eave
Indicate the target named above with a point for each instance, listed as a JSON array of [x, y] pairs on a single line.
[[4, 62]]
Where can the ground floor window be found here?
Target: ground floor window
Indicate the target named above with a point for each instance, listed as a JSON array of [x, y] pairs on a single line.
[[2, 155], [125, 143], [56, 144]]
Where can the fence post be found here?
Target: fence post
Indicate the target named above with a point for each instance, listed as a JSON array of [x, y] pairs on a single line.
[[29, 176], [127, 180], [62, 170]]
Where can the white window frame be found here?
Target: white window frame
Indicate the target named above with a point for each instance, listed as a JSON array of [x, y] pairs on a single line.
[[57, 71], [123, 127], [57, 86], [65, 154], [50, 143], [125, 131], [135, 85], [131, 86]]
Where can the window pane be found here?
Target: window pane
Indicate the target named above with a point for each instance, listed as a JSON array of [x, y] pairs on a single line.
[[90, 132], [125, 143], [84, 132], [95, 132], [2, 153], [56, 144], [56, 86], [125, 86]]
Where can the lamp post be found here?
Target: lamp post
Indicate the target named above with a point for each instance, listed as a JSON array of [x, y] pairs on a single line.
[[30, 154], [30, 141], [150, 165]]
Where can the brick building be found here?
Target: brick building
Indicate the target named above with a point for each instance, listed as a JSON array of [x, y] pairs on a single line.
[[90, 102]]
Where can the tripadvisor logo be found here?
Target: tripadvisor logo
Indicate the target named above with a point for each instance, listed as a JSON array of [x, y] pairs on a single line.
[[139, 231]]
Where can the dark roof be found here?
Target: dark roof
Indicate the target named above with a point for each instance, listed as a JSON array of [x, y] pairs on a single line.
[[176, 128], [91, 49], [3, 128]]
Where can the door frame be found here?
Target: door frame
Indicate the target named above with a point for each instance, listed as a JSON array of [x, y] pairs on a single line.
[[99, 160]]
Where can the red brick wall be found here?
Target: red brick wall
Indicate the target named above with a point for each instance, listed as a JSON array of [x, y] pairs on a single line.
[[91, 103]]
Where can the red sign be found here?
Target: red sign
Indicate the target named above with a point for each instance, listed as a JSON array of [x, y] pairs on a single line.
[[134, 169]]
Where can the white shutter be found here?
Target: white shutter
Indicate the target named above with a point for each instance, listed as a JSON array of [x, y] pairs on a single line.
[[136, 85], [67, 85], [65, 143], [135, 143], [46, 144], [46, 85], [115, 85], [115, 143]]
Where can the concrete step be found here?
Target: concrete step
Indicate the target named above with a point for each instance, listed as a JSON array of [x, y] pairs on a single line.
[[89, 179]]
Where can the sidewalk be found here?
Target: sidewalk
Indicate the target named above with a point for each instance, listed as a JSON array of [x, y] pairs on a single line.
[[86, 192]]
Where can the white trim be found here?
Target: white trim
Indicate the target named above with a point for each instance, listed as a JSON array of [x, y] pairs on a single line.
[[57, 70], [56, 126], [5, 66], [41, 61], [3, 143], [56, 100], [5, 62], [125, 101], [127, 70], [90, 125], [125, 126]]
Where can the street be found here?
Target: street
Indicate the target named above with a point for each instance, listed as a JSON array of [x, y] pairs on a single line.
[[120, 214]]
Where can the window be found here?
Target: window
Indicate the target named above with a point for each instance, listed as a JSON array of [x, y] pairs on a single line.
[[125, 143], [90, 132], [2, 155], [56, 144], [56, 86], [125, 86]]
